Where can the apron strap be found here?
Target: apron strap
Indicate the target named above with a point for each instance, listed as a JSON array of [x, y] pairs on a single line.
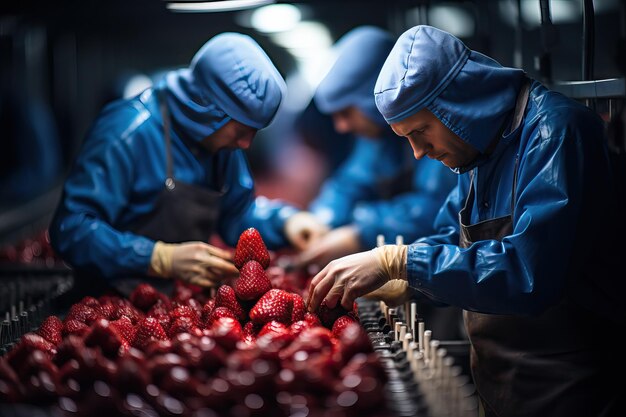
[[169, 179]]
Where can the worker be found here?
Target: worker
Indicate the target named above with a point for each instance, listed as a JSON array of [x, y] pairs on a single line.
[[523, 243], [380, 180], [160, 172]]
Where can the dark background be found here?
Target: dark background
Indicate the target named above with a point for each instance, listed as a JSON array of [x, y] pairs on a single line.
[[70, 57]]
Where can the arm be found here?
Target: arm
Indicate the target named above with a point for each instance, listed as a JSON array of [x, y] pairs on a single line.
[[525, 272], [94, 196], [410, 214], [355, 180]]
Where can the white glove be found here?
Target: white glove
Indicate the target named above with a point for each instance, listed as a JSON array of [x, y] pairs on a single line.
[[303, 228], [195, 262], [355, 275]]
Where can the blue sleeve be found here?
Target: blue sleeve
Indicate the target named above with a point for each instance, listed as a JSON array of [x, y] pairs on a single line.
[[411, 214], [354, 180], [95, 193], [241, 209], [525, 272]]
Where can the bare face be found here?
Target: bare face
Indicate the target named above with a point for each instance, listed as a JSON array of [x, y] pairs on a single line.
[[233, 135], [429, 137], [352, 120]]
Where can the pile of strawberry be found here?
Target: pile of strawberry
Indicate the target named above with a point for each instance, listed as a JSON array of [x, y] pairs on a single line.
[[252, 350]]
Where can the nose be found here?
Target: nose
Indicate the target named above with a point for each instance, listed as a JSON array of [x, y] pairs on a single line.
[[419, 150]]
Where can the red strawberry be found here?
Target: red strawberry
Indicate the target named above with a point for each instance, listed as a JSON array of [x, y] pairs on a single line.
[[253, 281], [329, 315], [226, 298], [298, 308], [274, 305], [250, 330], [227, 332], [251, 247], [207, 309], [185, 311], [218, 313], [106, 310], [275, 328], [129, 311], [312, 319], [124, 327], [181, 325], [74, 327], [341, 323], [104, 336], [144, 296], [51, 329], [82, 313], [315, 339], [297, 327], [148, 331], [90, 301]]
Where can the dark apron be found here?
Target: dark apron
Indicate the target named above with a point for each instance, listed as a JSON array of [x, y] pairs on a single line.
[[544, 366], [182, 213]]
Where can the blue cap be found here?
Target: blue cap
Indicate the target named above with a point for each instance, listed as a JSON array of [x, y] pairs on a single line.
[[470, 93], [230, 77], [350, 81]]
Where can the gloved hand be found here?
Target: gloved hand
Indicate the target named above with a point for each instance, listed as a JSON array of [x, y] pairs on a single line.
[[335, 244], [394, 293], [353, 276], [194, 262], [303, 228]]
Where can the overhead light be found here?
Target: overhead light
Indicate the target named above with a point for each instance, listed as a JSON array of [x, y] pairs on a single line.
[[216, 6], [275, 18]]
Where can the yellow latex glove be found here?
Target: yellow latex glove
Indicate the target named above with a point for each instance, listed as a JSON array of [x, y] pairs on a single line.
[[303, 228], [334, 244], [394, 293], [353, 276], [195, 262]]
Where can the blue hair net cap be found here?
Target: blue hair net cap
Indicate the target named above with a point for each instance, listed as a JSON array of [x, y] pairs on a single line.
[[350, 81], [468, 92], [230, 77]]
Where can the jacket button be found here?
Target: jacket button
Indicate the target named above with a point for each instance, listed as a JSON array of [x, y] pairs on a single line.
[[486, 204]]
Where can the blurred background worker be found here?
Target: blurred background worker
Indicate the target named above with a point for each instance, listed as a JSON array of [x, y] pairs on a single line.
[[380, 189], [380, 182], [525, 243], [160, 172]]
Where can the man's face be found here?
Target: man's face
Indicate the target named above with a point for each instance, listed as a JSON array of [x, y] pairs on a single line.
[[429, 137], [352, 120], [233, 135]]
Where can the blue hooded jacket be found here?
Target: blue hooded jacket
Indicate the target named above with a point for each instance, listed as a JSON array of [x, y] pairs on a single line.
[[353, 194], [121, 168], [561, 241]]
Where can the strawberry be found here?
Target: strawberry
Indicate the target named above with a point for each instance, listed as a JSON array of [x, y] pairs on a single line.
[[103, 335], [298, 308], [329, 315], [90, 302], [182, 324], [82, 313], [124, 327], [218, 313], [253, 281], [273, 305], [74, 327], [148, 330], [341, 323], [51, 329], [315, 339], [251, 247], [250, 330], [129, 311], [312, 319], [144, 296], [184, 311], [227, 332], [299, 326], [207, 309], [275, 328], [106, 310], [226, 297]]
